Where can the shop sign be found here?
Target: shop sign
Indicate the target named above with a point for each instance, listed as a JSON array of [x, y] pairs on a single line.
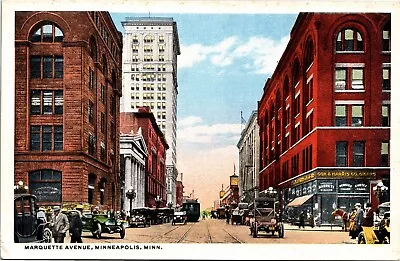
[[361, 188], [303, 179], [350, 174], [345, 187], [326, 186]]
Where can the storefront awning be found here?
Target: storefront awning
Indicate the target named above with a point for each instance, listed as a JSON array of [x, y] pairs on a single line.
[[299, 201]]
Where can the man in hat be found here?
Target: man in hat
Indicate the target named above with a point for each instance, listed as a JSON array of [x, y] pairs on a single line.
[[60, 225], [75, 226], [359, 218], [41, 215]]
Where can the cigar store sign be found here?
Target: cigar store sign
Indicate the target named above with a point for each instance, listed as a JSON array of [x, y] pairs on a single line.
[[335, 174]]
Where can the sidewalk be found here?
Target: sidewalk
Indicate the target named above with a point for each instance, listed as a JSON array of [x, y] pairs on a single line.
[[288, 226]]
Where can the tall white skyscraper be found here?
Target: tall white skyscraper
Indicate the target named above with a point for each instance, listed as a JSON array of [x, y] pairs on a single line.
[[150, 50]]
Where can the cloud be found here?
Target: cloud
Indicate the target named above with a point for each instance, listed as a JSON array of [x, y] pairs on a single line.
[[189, 130], [258, 54]]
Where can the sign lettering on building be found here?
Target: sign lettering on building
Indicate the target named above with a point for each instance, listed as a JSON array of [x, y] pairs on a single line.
[[328, 174], [303, 179]]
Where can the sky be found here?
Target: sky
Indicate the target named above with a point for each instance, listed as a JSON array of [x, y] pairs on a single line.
[[224, 62]]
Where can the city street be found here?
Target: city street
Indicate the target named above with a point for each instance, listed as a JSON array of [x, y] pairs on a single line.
[[216, 231]]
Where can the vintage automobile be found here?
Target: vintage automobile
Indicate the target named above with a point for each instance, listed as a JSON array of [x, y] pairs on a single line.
[[102, 223], [179, 217], [266, 218], [165, 214], [27, 226], [139, 217], [380, 232]]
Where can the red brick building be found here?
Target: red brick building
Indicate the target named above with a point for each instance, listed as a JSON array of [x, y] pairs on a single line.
[[179, 191], [156, 146], [67, 90], [325, 113]]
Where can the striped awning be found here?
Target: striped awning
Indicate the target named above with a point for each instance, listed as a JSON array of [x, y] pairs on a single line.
[[299, 201]]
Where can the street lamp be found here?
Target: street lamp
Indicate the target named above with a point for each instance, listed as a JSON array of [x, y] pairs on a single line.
[[380, 189], [20, 188], [130, 194], [158, 201]]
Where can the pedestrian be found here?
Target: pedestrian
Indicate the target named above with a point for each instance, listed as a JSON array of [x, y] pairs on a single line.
[[75, 227], [359, 218], [301, 219], [352, 224], [41, 215], [369, 216], [59, 224]]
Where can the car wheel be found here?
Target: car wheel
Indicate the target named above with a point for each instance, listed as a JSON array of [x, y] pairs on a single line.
[[122, 233], [47, 235], [361, 238], [281, 231]]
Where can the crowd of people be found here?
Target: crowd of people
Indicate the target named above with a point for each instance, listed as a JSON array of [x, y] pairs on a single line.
[[360, 218]]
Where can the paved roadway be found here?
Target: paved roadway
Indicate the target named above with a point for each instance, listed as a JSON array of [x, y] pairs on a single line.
[[216, 231]]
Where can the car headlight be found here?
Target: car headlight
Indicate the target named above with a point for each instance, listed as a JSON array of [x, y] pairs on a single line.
[[108, 223]]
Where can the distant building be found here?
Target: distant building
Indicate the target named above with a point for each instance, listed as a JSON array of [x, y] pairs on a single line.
[[151, 47], [179, 191], [324, 115], [156, 146], [133, 155], [67, 90], [249, 157]]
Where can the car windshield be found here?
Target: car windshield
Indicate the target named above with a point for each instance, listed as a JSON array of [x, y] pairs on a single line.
[[263, 211]]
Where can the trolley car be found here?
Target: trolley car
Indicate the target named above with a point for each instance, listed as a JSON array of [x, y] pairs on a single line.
[[192, 208]]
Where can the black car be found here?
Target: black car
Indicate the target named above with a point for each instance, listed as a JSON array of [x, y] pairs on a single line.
[[139, 217], [179, 217], [27, 226]]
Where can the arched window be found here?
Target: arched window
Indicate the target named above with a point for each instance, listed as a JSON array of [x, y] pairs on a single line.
[[386, 37], [104, 62], [309, 55], [93, 48], [46, 185], [296, 73], [349, 40], [48, 33], [91, 183], [286, 87]]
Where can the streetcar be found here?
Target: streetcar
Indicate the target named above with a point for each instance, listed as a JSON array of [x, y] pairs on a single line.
[[192, 209]]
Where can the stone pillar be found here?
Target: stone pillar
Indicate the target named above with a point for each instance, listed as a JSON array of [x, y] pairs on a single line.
[[128, 178]]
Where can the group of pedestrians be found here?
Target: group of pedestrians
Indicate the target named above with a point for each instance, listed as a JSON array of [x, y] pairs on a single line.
[[60, 224], [360, 218]]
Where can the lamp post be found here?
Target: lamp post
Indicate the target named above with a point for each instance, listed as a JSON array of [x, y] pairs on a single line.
[[130, 194], [20, 188], [380, 189], [158, 201]]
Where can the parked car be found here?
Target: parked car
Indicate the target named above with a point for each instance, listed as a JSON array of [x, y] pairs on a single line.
[[236, 217], [102, 223], [266, 219], [27, 226], [179, 217], [139, 217]]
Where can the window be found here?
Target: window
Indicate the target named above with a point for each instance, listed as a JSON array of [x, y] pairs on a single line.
[[46, 138], [91, 78], [35, 138], [91, 183], [102, 151], [161, 58], [91, 112], [295, 165], [356, 115], [386, 115], [340, 115], [297, 105], [358, 153], [46, 185], [148, 38], [341, 154], [91, 144], [357, 79], [386, 79], [47, 33], [309, 123], [46, 67], [102, 122], [102, 93], [349, 40], [385, 154], [386, 37], [102, 190], [296, 133], [49, 106], [307, 158], [309, 91]]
